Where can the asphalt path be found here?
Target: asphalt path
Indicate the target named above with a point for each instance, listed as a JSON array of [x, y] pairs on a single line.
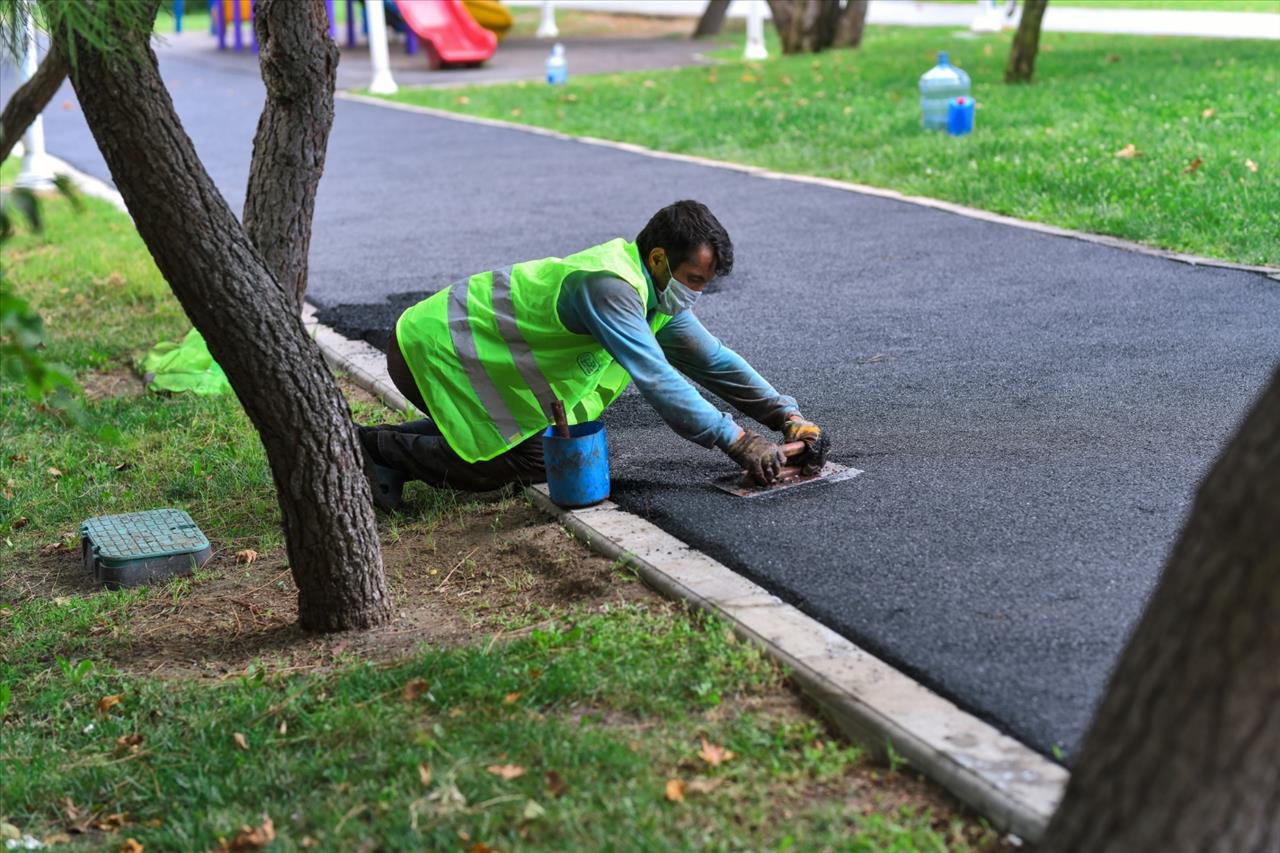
[[1033, 413]]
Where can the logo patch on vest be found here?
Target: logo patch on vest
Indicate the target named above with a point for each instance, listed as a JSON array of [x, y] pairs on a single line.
[[589, 364]]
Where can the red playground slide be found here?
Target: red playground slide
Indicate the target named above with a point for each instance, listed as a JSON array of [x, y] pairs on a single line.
[[450, 35]]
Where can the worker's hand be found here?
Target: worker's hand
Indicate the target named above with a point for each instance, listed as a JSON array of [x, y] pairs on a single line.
[[758, 456], [797, 428]]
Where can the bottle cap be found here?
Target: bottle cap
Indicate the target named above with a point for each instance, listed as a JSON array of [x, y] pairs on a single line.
[[943, 59]]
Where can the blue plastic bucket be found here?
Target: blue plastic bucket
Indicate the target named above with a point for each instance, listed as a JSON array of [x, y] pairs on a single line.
[[578, 466]]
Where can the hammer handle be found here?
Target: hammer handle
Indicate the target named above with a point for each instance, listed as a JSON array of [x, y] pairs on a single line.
[[562, 421]]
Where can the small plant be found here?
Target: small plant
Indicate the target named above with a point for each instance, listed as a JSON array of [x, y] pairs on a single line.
[[74, 672], [896, 760]]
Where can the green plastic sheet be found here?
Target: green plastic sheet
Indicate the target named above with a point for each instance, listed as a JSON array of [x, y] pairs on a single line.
[[185, 366]]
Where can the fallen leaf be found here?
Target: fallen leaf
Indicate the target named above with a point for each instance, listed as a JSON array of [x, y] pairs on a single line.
[[308, 842], [986, 50], [284, 727], [111, 822], [533, 811], [69, 809], [1250, 165], [535, 673], [18, 459], [649, 84], [556, 785], [1113, 57], [130, 846], [424, 774], [106, 703], [748, 78], [455, 713], [129, 743], [240, 740], [481, 847], [54, 472], [848, 111], [714, 755], [124, 466], [464, 100], [516, 112], [413, 689], [21, 523], [253, 837], [56, 838], [247, 556], [1129, 150], [506, 771], [703, 786], [510, 698], [1192, 166], [675, 791], [9, 832], [1208, 113]]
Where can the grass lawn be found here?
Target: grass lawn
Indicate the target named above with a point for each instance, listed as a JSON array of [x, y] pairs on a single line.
[[529, 695], [1200, 114]]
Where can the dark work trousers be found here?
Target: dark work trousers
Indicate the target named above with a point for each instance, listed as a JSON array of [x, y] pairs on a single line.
[[419, 451]]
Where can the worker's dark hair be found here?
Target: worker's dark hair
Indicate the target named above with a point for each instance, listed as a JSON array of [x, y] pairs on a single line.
[[681, 228]]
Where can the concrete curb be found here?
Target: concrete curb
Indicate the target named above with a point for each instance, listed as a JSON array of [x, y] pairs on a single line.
[[1016, 788], [830, 183]]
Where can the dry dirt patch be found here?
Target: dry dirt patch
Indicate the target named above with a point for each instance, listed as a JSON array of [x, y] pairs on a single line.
[[491, 570]]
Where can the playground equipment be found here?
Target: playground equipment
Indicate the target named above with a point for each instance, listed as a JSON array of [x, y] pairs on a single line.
[[449, 33], [455, 32]]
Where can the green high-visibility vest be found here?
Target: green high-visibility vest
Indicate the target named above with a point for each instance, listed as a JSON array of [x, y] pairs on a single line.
[[491, 356]]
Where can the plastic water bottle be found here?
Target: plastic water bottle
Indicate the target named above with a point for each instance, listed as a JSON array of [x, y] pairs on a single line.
[[557, 68], [939, 85]]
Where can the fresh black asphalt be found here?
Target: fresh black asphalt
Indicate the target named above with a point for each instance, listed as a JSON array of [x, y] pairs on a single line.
[[1033, 413]]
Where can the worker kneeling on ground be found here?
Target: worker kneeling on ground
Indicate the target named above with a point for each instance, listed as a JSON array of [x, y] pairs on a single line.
[[488, 357]]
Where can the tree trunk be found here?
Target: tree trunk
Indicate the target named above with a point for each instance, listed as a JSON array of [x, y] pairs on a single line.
[[1182, 754], [712, 20], [1026, 42], [253, 330], [810, 26], [299, 67], [853, 21], [30, 99]]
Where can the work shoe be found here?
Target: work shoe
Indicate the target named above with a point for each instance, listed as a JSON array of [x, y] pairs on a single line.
[[385, 484]]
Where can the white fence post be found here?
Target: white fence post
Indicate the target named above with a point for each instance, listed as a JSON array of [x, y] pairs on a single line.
[[547, 28], [988, 19], [382, 83], [755, 32], [37, 172]]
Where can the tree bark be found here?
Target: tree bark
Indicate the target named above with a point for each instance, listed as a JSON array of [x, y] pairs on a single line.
[[853, 22], [810, 26], [1026, 42], [299, 67], [30, 99], [1182, 753], [712, 20], [253, 330]]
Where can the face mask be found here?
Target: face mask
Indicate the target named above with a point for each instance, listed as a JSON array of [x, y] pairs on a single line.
[[676, 297]]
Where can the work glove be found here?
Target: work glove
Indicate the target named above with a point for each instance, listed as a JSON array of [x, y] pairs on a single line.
[[796, 428], [758, 456]]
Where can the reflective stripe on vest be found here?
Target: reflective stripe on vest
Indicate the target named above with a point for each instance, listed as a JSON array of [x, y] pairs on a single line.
[[491, 356]]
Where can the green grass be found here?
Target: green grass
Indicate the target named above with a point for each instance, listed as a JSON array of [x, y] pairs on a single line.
[[614, 702], [1044, 152]]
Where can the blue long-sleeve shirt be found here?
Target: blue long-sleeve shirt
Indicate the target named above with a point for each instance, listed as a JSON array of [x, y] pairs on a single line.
[[609, 310]]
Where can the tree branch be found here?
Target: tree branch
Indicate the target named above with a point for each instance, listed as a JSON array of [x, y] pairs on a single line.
[[30, 100]]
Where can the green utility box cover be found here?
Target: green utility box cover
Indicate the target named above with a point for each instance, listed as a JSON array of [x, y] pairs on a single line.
[[142, 547]]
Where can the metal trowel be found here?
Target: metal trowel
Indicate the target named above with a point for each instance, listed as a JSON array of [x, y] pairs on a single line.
[[805, 464]]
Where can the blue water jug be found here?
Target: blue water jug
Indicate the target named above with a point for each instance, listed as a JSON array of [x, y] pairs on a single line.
[[557, 68], [938, 86]]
